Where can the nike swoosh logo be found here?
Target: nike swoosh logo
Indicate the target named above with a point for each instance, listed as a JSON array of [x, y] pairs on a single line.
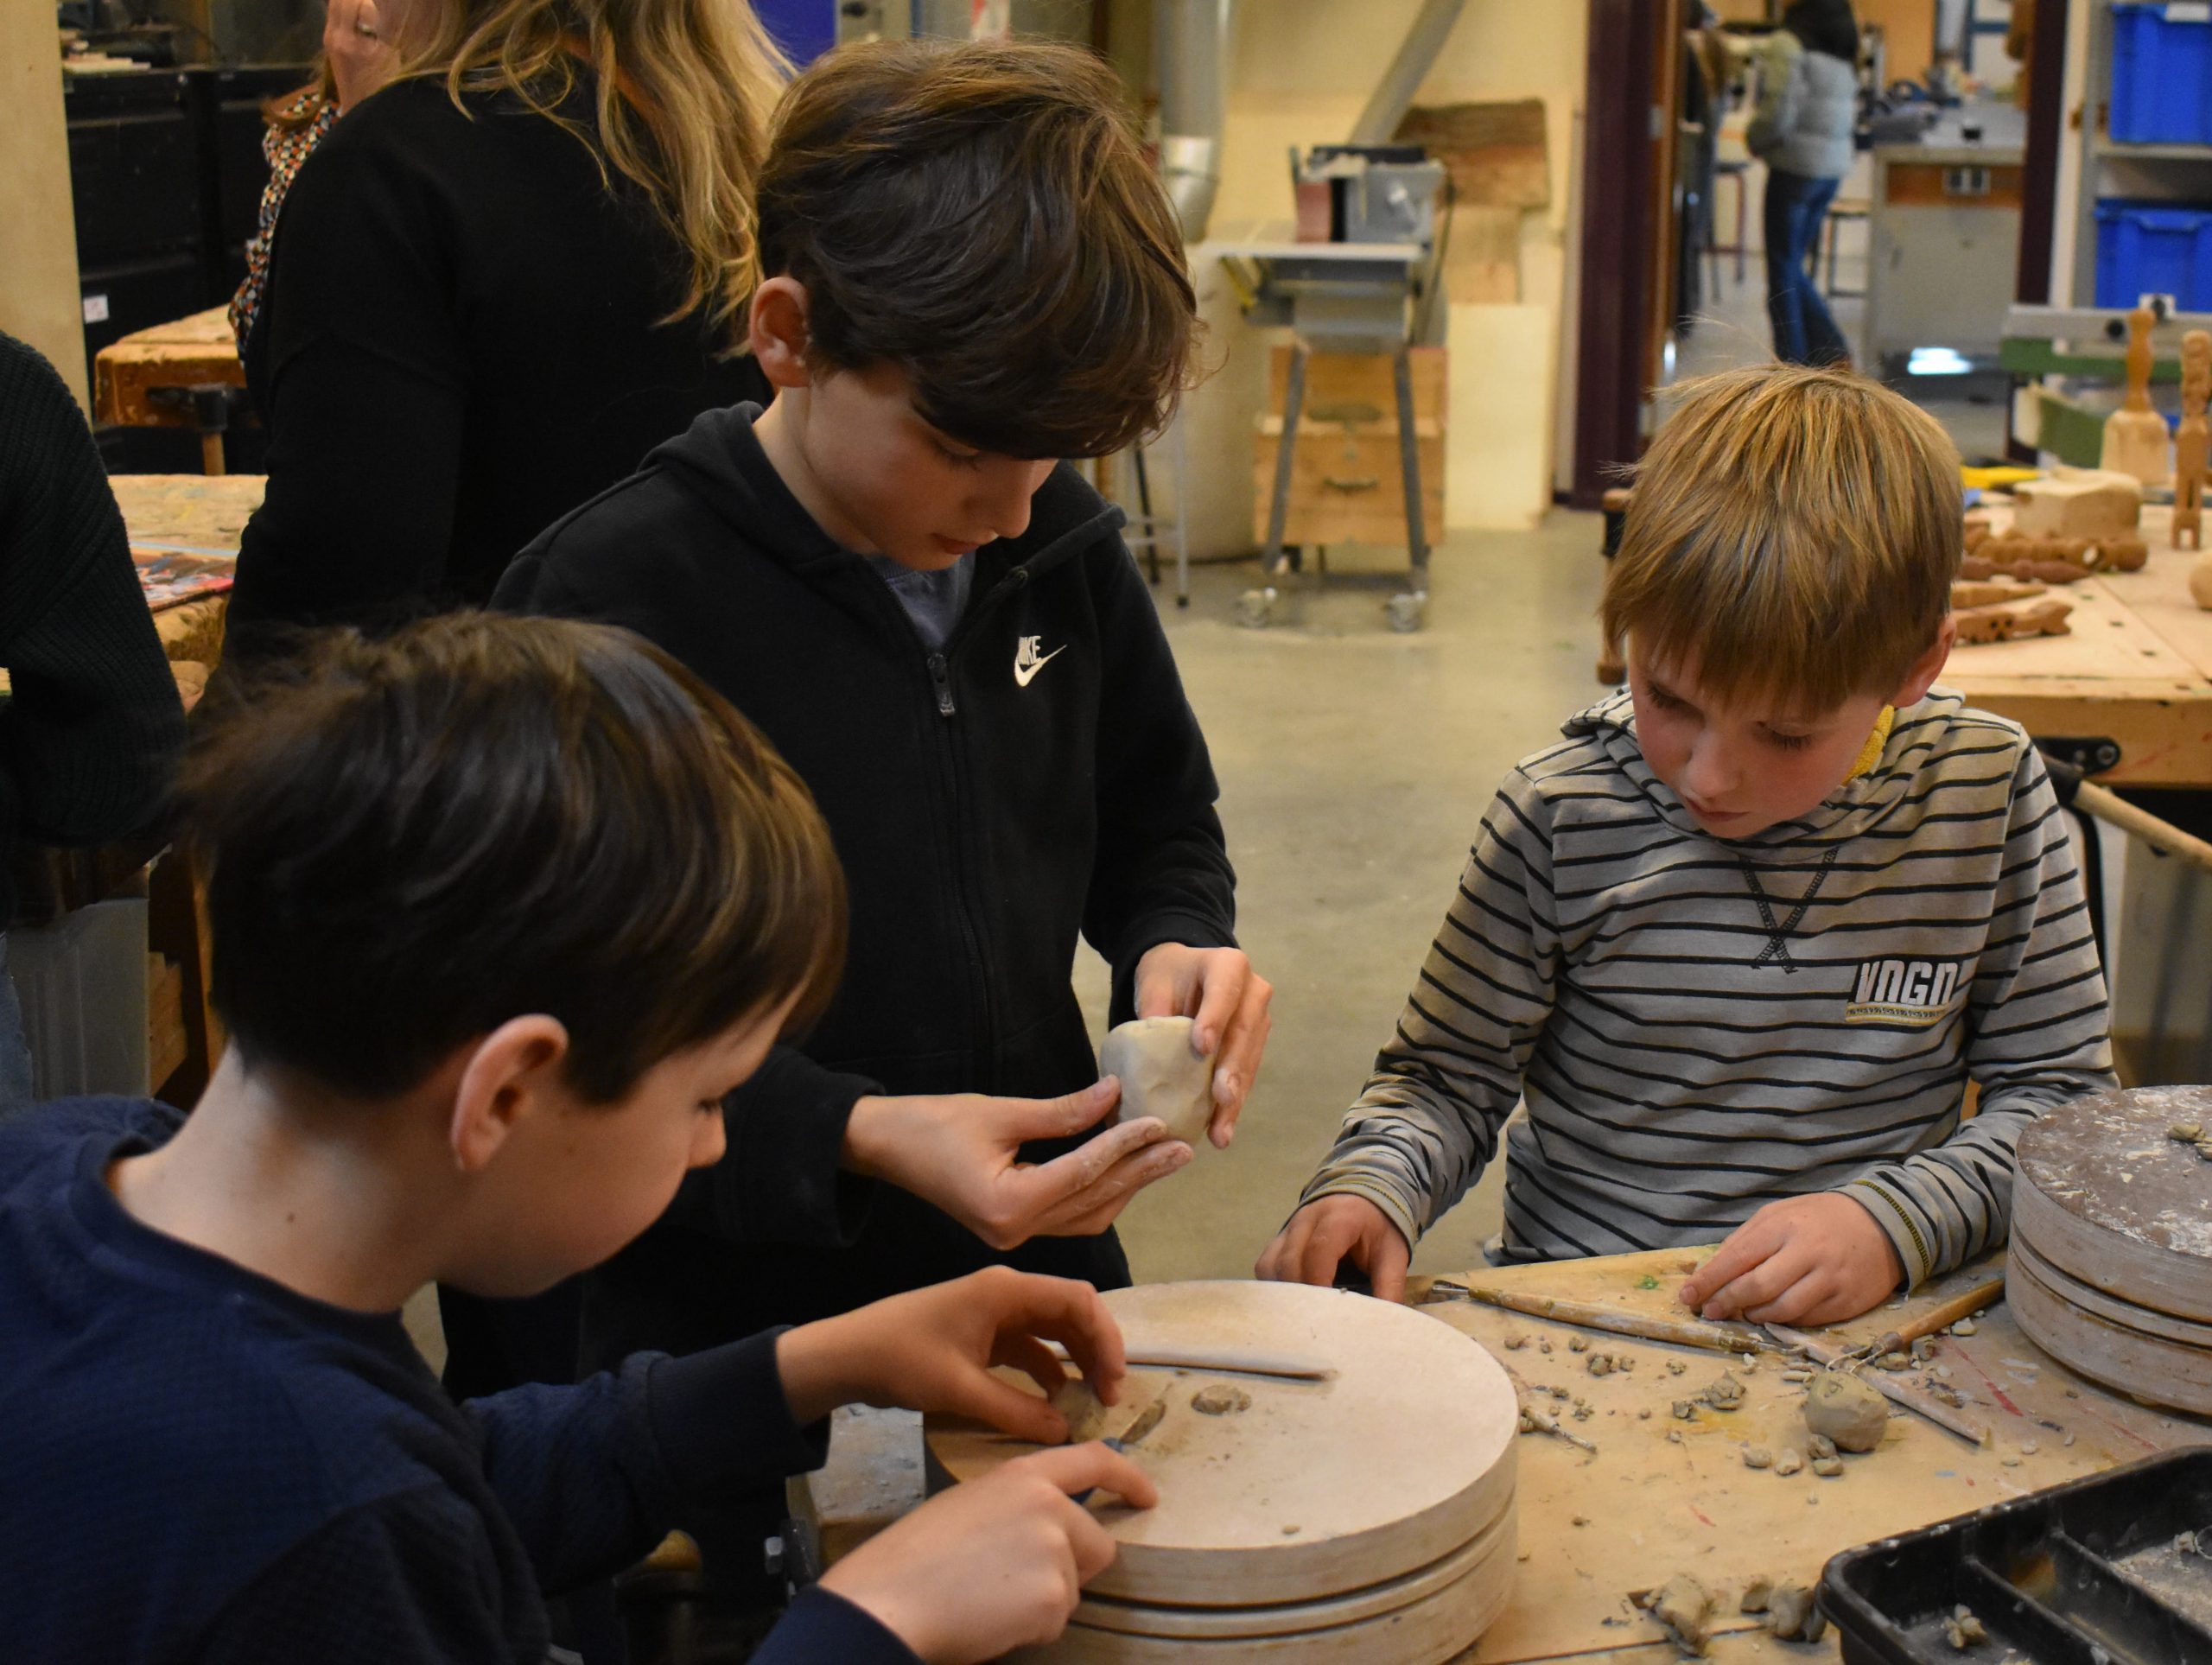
[[1025, 671]]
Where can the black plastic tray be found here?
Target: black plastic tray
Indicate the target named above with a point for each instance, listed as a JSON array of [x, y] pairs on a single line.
[[2085, 1574]]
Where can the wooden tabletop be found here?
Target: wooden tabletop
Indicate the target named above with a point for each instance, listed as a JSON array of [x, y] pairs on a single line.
[[197, 514], [2137, 668], [1643, 1507], [196, 352]]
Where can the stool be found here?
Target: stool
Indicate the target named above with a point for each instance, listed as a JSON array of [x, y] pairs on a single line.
[[1737, 169], [1842, 208]]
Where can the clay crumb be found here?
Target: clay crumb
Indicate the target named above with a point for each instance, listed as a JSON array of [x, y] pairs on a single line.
[[1827, 1467], [1220, 1399], [1577, 1343], [1684, 1411], [2028, 1448], [1601, 1364], [1756, 1596], [1675, 1367], [1757, 1457], [1291, 1531], [1964, 1327], [1624, 1362], [1544, 1346], [1582, 1520], [1683, 1607], [1674, 1436], [2010, 1462], [1963, 1630], [1515, 1341], [1644, 1415], [2068, 1440], [1788, 1462], [2187, 1133], [1724, 1395], [1820, 1446]]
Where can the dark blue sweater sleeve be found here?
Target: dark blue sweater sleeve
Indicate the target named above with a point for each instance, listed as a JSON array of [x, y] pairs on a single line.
[[1161, 873], [404, 1578], [822, 1627], [591, 1475]]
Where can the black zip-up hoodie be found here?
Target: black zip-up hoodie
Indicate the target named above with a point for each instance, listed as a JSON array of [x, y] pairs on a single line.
[[1041, 777]]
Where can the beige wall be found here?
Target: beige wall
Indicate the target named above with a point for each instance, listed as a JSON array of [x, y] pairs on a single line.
[[1300, 71], [38, 301]]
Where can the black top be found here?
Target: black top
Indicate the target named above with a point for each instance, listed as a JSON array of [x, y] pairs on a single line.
[[459, 343], [202, 1464], [94, 723], [1040, 779]]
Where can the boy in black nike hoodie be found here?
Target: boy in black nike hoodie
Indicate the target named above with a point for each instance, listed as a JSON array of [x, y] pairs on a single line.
[[969, 271]]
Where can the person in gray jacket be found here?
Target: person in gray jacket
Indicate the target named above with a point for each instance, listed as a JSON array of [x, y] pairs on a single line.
[[1803, 131]]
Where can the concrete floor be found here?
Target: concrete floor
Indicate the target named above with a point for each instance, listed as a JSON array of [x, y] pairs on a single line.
[[1356, 766]]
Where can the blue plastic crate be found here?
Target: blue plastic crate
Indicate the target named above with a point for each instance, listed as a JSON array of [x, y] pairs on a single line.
[[2161, 75], [2154, 248]]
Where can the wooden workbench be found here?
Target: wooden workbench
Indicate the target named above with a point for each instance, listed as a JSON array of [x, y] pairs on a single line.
[[1593, 1527], [2136, 669], [195, 352], [196, 514]]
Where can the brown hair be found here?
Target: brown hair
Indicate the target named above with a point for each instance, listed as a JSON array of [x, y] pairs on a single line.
[[982, 216], [1795, 530], [408, 842]]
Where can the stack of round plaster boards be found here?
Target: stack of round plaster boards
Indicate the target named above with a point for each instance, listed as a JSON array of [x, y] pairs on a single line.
[[2110, 1269], [1366, 1515]]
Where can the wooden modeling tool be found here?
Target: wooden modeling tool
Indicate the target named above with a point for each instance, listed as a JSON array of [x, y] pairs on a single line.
[[1965, 1305], [1588, 1315], [2193, 444], [2135, 435], [1918, 1400]]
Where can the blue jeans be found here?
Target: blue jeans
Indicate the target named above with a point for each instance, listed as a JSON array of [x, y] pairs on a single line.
[[15, 1050], [1804, 330]]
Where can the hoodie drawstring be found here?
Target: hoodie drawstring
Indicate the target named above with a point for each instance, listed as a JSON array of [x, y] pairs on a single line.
[[1778, 944]]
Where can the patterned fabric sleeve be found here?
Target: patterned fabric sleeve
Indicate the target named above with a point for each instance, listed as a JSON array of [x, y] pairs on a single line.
[[287, 144]]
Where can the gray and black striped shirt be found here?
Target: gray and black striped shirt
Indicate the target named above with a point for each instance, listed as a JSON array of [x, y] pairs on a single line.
[[1685, 1061]]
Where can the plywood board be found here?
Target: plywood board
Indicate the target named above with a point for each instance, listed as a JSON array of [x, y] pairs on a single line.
[[1401, 1456], [1644, 1507], [1495, 153]]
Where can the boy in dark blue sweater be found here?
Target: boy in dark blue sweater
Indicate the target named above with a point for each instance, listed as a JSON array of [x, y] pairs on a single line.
[[501, 910]]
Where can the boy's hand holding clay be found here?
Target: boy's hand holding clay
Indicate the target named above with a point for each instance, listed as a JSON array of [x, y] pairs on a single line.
[[996, 1563], [1227, 1002], [1818, 1259], [932, 1350]]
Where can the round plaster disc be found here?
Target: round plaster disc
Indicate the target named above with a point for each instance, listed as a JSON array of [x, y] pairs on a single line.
[[1402, 1455], [2104, 1194], [2143, 1366]]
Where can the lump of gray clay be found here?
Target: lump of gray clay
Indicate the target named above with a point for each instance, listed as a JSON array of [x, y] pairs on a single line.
[[1845, 1409], [1161, 1076], [1791, 1614], [1684, 1607]]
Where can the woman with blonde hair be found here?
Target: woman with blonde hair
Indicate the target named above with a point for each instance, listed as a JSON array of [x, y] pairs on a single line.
[[502, 279]]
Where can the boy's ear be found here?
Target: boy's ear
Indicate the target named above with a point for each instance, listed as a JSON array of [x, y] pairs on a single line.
[[778, 330], [513, 1071], [1928, 666]]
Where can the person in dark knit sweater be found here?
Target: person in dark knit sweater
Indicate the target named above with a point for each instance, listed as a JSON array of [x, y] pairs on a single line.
[[942, 629], [92, 723], [492, 297], [500, 910]]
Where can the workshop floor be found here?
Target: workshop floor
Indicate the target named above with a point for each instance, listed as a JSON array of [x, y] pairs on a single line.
[[1356, 766]]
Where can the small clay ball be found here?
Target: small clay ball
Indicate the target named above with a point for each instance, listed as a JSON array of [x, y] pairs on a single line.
[[1161, 1075]]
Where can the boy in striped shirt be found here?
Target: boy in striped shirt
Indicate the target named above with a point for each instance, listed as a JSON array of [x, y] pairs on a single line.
[[1743, 936]]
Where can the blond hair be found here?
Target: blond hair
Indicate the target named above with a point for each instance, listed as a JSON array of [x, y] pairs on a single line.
[[1795, 530], [683, 90]]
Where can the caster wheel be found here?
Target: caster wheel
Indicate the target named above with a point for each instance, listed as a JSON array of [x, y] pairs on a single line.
[[1255, 608]]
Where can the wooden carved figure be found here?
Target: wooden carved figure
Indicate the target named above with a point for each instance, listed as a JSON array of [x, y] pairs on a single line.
[[2135, 435], [2193, 445]]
